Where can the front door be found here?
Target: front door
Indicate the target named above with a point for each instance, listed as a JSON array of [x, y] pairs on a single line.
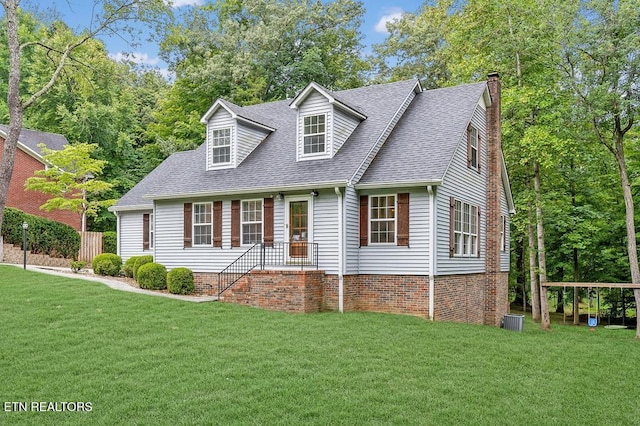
[[299, 226]]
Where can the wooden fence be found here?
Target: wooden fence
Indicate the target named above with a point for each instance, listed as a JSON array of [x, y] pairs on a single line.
[[90, 245]]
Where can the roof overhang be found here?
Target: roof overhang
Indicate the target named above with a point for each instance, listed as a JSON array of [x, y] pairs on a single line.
[[314, 87], [25, 148], [251, 190], [138, 207], [398, 184], [221, 104]]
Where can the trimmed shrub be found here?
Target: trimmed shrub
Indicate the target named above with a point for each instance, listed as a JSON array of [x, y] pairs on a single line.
[[152, 276], [77, 265], [107, 264], [109, 242], [127, 268], [44, 236], [141, 260], [180, 281]]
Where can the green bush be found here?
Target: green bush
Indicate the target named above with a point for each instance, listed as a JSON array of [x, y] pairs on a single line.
[[109, 242], [141, 260], [77, 265], [107, 264], [127, 268], [180, 281], [44, 236], [152, 276]]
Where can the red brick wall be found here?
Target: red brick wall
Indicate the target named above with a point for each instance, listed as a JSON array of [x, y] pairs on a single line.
[[30, 201], [458, 298], [287, 291]]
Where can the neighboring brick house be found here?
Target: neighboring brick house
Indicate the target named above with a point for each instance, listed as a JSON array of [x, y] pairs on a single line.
[[384, 198], [28, 160]]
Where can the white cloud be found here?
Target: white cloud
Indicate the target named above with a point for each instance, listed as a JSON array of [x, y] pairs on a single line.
[[135, 57], [180, 3], [390, 15]]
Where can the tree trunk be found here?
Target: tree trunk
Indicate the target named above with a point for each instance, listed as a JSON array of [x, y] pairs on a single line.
[[576, 290], [631, 233], [542, 262], [13, 101], [533, 276]]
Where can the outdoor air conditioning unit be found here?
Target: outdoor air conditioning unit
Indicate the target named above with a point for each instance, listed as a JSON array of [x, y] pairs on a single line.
[[513, 322]]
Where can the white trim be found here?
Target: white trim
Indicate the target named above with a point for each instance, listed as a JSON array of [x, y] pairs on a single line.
[[432, 249], [242, 222], [273, 189], [397, 184], [211, 147], [341, 246], [395, 220], [294, 198], [194, 224], [385, 133]]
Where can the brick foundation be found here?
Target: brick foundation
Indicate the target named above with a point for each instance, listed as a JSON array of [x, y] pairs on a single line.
[[457, 298]]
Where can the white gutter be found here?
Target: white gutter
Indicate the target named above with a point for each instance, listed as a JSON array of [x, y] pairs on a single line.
[[432, 249], [231, 192], [340, 250], [398, 183]]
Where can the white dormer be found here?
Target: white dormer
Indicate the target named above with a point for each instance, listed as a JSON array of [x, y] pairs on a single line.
[[232, 133], [324, 123]]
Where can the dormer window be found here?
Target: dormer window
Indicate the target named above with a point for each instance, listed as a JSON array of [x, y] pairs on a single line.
[[221, 146], [315, 131]]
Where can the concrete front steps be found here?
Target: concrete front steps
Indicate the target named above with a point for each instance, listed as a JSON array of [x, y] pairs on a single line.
[[14, 254]]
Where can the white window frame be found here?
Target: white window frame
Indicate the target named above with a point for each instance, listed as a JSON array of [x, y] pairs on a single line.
[[151, 229], [466, 228], [214, 137], [244, 222], [324, 134], [474, 148], [385, 219], [202, 224], [503, 233]]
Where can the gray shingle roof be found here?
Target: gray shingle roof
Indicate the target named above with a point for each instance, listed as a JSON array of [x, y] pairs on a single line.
[[422, 144], [31, 139], [273, 163]]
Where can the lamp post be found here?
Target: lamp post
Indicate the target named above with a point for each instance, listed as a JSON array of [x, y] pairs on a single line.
[[25, 225]]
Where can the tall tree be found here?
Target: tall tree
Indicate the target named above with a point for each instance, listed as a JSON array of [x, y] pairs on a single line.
[[601, 63], [254, 51], [112, 16]]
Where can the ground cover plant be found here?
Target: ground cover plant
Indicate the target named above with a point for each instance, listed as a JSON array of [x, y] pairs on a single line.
[[151, 360]]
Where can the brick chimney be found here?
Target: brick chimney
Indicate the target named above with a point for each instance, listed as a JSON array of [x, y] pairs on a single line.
[[496, 288]]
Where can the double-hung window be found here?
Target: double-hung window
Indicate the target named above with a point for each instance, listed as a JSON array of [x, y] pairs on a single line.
[[503, 233], [314, 134], [202, 224], [465, 229], [383, 219], [473, 148], [221, 146], [251, 221], [151, 230]]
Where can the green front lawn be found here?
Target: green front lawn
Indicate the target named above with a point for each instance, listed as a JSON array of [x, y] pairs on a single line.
[[150, 360]]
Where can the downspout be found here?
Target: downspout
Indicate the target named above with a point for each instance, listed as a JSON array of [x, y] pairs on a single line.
[[432, 249], [118, 233], [340, 250]]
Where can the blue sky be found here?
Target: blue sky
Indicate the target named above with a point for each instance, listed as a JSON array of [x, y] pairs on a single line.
[[77, 14]]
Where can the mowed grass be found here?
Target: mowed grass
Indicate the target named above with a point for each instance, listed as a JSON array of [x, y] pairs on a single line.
[[148, 360]]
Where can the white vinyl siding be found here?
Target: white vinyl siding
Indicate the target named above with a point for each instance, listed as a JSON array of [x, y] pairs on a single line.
[[352, 230], [325, 230], [505, 258], [130, 234], [221, 120], [393, 259], [315, 105], [466, 184], [343, 126], [247, 139]]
